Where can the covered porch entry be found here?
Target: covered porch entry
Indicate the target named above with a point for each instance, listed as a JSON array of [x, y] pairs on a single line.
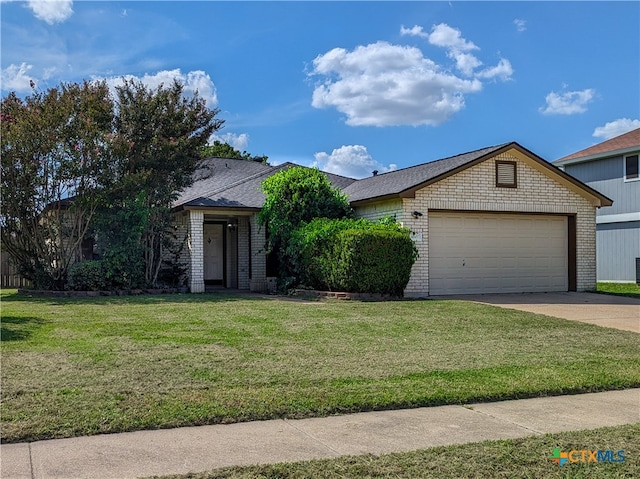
[[225, 251]]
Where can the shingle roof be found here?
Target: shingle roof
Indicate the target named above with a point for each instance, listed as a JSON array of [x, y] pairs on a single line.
[[397, 182], [622, 142], [227, 183], [230, 183]]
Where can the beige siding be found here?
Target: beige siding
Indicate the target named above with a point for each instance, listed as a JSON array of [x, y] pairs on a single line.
[[375, 211]]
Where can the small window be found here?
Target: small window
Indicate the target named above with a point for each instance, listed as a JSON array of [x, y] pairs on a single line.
[[631, 168], [506, 174]]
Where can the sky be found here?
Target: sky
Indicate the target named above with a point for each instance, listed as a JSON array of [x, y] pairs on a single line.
[[352, 87]]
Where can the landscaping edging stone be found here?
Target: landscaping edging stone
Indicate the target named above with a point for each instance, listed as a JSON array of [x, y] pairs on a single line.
[[95, 294], [312, 293]]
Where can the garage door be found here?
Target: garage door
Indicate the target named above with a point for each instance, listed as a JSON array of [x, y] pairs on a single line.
[[497, 253]]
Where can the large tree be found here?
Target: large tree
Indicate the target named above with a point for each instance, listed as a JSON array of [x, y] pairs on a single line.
[[159, 136], [56, 156], [75, 159]]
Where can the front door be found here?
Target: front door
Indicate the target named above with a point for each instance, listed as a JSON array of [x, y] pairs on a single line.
[[213, 253]]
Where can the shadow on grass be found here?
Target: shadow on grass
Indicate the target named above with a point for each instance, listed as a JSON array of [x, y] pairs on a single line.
[[14, 328], [24, 296]]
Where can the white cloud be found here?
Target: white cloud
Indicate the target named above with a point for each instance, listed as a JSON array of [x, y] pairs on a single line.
[[353, 161], [51, 11], [443, 35], [415, 31], [503, 70], [239, 142], [193, 81], [16, 78], [521, 25], [465, 62], [568, 103], [616, 128], [382, 84], [201, 82]]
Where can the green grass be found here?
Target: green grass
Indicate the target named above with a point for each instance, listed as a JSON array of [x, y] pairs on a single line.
[[620, 289], [521, 458], [99, 365]]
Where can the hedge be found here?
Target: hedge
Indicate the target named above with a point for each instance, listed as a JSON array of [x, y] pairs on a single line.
[[371, 261], [359, 256]]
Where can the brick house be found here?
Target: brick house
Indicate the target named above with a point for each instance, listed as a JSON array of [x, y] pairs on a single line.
[[217, 219], [498, 219]]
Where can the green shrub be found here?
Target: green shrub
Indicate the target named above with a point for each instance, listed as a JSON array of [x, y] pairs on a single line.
[[371, 261], [293, 197], [124, 268], [354, 255], [87, 276]]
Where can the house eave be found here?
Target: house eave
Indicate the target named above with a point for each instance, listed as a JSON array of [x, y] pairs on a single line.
[[244, 210], [599, 199], [597, 156]]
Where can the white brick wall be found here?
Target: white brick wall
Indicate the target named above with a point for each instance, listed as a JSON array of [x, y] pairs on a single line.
[[474, 189], [196, 251]]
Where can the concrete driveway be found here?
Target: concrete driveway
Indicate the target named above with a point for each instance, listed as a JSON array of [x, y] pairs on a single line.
[[601, 309]]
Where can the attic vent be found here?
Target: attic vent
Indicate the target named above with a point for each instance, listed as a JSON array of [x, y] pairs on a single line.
[[506, 175]]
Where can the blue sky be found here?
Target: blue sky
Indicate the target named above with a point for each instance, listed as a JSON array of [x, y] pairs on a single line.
[[355, 86]]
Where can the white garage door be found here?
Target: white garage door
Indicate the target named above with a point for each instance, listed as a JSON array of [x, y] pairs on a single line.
[[497, 253]]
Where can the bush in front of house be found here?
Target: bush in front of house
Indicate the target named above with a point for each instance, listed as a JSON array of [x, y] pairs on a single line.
[[372, 261], [87, 276], [293, 197], [116, 270], [353, 255]]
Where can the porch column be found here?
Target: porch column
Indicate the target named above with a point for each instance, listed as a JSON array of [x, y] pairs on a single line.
[[258, 257], [196, 250]]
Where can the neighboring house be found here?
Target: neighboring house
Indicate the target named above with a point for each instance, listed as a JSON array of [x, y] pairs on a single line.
[[612, 167], [500, 219]]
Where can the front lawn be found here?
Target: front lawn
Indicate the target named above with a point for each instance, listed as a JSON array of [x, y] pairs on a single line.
[[97, 365], [522, 458]]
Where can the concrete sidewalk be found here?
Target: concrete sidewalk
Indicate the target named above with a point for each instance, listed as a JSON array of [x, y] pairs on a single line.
[[198, 449]]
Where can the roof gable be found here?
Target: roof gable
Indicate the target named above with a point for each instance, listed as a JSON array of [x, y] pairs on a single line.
[[399, 182], [617, 145], [404, 183]]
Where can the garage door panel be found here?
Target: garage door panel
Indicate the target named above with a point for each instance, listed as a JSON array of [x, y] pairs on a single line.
[[490, 253]]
